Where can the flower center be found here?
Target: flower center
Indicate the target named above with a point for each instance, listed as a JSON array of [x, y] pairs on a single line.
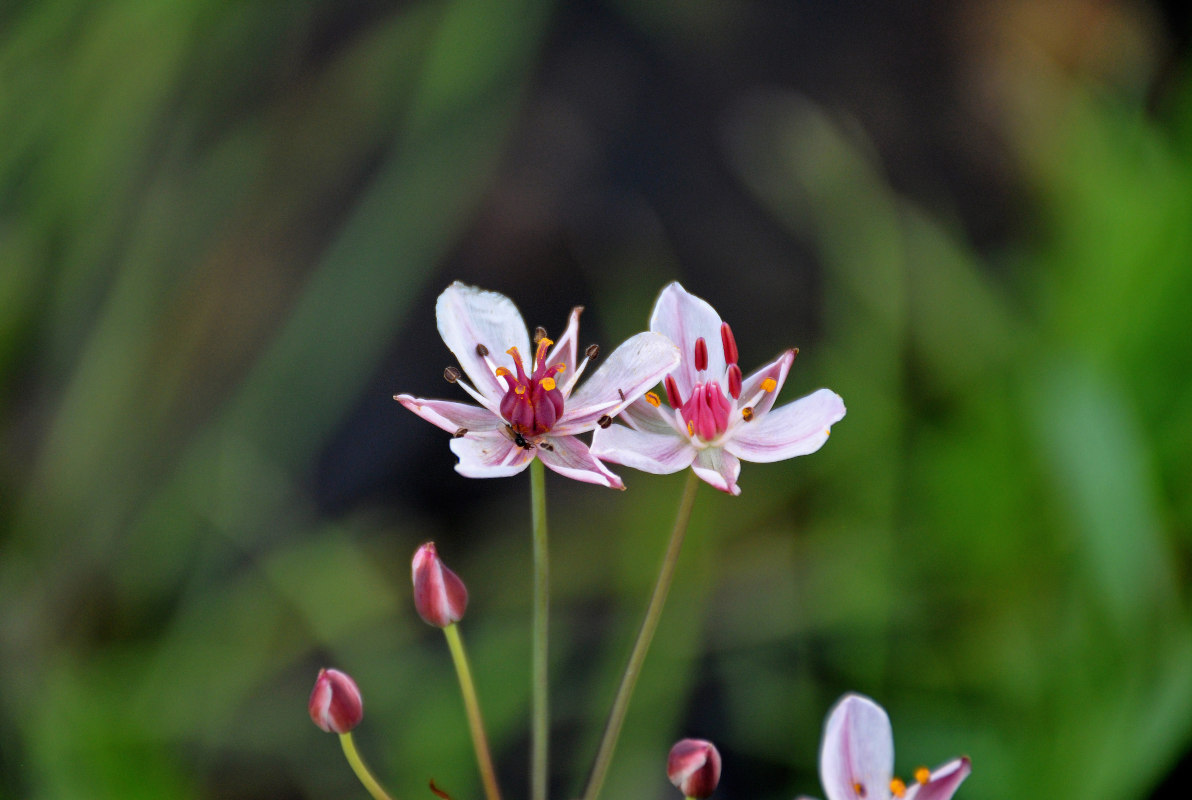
[[707, 411], [532, 403]]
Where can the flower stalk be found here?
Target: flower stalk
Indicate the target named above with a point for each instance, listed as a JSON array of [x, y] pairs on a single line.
[[362, 773], [645, 635], [484, 759], [540, 717]]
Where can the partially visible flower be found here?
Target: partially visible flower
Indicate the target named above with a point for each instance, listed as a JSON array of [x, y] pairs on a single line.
[[714, 417], [857, 758], [439, 595], [335, 703], [693, 766], [532, 409]]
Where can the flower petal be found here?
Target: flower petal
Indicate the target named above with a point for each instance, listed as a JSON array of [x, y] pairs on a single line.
[[943, 782], [565, 349], [569, 456], [751, 388], [794, 429], [658, 453], [857, 751], [642, 415], [451, 416], [635, 366], [720, 469], [490, 454], [469, 316], [682, 317]]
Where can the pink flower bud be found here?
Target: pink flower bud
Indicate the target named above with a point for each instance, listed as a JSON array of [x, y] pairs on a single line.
[[335, 702], [439, 595], [694, 767]]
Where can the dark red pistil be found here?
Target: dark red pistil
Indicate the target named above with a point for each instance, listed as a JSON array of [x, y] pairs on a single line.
[[532, 403]]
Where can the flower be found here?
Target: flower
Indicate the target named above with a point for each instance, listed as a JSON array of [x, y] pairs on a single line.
[[335, 703], [714, 417], [857, 758], [439, 595], [693, 766], [523, 415]]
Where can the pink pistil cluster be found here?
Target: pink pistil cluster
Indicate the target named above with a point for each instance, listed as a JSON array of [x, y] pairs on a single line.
[[707, 412], [532, 403]]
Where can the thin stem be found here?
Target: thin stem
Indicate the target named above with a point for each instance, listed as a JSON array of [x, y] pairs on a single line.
[[616, 715], [484, 759], [357, 763], [540, 725]]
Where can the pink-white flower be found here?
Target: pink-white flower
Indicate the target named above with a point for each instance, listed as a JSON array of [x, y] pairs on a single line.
[[713, 417], [531, 410], [857, 758]]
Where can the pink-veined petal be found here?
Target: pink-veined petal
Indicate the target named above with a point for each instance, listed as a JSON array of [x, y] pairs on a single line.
[[569, 456], [658, 453], [635, 366], [451, 416], [490, 454], [943, 783], [794, 429], [470, 316], [751, 387], [682, 317], [565, 350], [719, 468], [857, 751], [641, 415]]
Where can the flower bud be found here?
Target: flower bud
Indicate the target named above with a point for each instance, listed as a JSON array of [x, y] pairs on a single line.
[[694, 767], [335, 702], [439, 595]]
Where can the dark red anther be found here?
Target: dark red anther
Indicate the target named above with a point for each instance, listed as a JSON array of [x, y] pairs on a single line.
[[539, 334], [734, 381], [672, 392], [481, 350], [701, 354], [730, 344], [592, 351]]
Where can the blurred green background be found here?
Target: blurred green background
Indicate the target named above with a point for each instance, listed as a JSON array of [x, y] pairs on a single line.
[[222, 229]]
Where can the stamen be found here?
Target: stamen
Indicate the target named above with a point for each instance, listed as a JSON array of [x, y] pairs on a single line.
[[547, 383], [734, 381], [690, 428], [897, 787], [539, 334], [481, 350], [859, 788], [769, 385], [672, 392], [730, 343], [451, 374], [592, 351], [922, 775], [460, 433], [701, 354], [651, 398], [605, 421], [550, 448], [747, 413]]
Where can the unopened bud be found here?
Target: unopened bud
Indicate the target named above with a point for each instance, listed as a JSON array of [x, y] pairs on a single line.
[[694, 767], [335, 702], [439, 595]]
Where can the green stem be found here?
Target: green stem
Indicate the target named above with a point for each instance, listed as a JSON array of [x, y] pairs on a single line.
[[357, 763], [540, 725], [484, 758], [616, 715]]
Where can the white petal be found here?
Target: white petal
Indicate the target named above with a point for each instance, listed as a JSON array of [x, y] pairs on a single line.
[[682, 317], [468, 317], [634, 367], [943, 783], [489, 455], [794, 429], [658, 453], [857, 751], [569, 456], [566, 348], [751, 387], [719, 468], [643, 415], [451, 416]]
